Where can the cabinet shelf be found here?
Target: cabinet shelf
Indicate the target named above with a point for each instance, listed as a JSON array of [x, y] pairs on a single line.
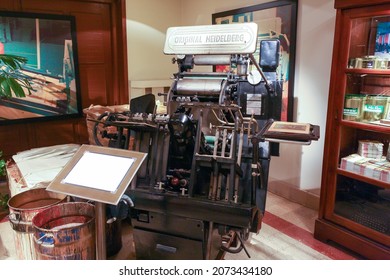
[[364, 71], [367, 126], [362, 178]]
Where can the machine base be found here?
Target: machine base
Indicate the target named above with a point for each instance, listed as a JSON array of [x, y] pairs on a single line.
[[169, 237]]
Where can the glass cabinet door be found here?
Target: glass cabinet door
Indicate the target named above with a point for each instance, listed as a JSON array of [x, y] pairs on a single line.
[[362, 193], [355, 188]]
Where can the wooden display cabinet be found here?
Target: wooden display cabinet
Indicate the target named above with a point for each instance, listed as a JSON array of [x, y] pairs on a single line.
[[355, 192]]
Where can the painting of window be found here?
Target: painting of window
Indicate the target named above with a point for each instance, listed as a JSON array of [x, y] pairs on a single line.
[[49, 72]]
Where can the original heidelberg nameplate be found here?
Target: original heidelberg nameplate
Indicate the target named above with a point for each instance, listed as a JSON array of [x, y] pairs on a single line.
[[237, 38]]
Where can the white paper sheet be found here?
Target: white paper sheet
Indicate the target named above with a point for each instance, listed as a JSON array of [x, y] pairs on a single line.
[[99, 171], [43, 164]]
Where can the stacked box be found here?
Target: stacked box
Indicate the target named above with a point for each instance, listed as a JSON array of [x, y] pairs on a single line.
[[348, 163], [378, 169], [370, 149]]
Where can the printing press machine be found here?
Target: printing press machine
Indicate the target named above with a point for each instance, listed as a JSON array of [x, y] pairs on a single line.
[[202, 189]]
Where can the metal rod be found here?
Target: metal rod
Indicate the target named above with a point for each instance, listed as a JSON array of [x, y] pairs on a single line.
[[227, 189], [209, 241], [224, 137], [252, 58], [215, 182], [215, 169], [165, 151], [233, 151], [243, 245], [221, 121], [100, 227], [211, 186], [239, 154], [196, 151], [154, 158], [137, 139]]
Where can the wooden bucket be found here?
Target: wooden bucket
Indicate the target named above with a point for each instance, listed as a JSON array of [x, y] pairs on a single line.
[[23, 207], [65, 232], [113, 236]]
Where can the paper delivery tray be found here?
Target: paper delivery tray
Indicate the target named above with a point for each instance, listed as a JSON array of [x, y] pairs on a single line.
[[301, 133]]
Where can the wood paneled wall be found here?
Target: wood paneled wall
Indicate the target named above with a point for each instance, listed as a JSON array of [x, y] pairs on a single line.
[[102, 53]]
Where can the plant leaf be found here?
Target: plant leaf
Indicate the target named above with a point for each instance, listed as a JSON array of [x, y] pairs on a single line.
[[16, 88], [2, 167], [13, 61], [5, 88], [12, 80]]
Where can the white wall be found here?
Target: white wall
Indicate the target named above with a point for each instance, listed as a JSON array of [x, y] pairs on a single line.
[[302, 166], [147, 23], [299, 166]]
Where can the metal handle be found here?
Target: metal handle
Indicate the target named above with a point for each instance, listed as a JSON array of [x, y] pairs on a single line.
[[111, 220], [18, 223], [288, 141], [165, 249], [14, 217]]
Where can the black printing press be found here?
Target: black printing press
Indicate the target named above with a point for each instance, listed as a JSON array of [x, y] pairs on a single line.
[[203, 188]]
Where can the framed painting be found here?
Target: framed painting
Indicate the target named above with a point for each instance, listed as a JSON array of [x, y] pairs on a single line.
[[39, 78], [275, 20]]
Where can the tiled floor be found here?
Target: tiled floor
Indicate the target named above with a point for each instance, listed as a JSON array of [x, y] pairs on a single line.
[[286, 234]]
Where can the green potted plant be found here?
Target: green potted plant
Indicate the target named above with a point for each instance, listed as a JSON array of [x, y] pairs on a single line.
[[12, 83], [3, 197], [12, 80]]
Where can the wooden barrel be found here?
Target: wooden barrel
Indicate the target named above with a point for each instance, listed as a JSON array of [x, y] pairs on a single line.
[[65, 232], [23, 207]]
